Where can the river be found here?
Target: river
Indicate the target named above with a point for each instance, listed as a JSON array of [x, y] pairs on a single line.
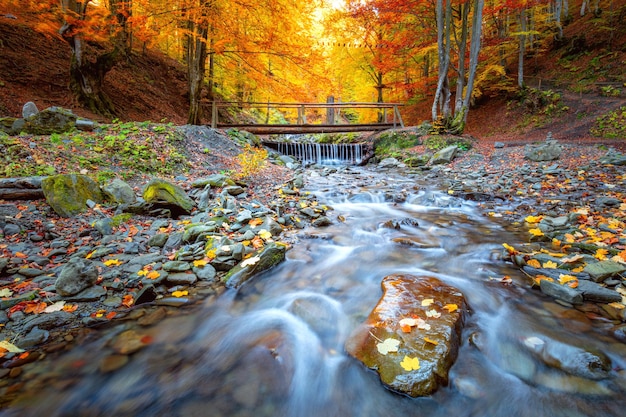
[[275, 346]]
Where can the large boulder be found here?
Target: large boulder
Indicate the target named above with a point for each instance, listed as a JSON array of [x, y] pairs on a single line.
[[51, 120], [411, 337], [444, 156], [67, 194], [165, 195], [547, 151]]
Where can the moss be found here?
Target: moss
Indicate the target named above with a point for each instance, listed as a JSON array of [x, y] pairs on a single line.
[[116, 221], [68, 194]]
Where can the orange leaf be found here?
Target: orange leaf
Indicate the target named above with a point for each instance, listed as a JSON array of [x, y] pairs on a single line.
[[146, 340], [255, 222], [35, 307], [70, 308], [431, 341], [110, 315], [534, 263], [128, 300], [153, 275], [20, 255], [406, 328]]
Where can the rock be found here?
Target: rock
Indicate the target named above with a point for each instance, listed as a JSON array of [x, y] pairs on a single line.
[[104, 226], [215, 180], [49, 321], [85, 125], [548, 151], [158, 240], [176, 266], [498, 145], [322, 222], [234, 190], [561, 292], [88, 294], [599, 271], [67, 194], [269, 256], [35, 337], [390, 163], [11, 229], [77, 275], [182, 278], [205, 273], [118, 191], [29, 109], [146, 295], [49, 121], [444, 156], [597, 293], [165, 195], [403, 298]]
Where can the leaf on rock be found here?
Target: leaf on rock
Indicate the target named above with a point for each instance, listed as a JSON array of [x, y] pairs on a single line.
[[601, 254], [572, 259], [431, 341], [265, 235], [255, 222], [534, 263], [433, 313], [427, 301], [35, 307], [153, 275], [58, 306], [509, 248], [532, 219], [10, 347], [70, 308], [179, 294], [535, 232], [451, 307], [200, 262], [250, 261], [5, 292], [550, 265], [112, 262], [410, 364], [565, 279], [388, 345], [128, 300]]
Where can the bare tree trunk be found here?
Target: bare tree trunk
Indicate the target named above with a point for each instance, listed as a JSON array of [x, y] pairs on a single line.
[[522, 49], [196, 57], [462, 45], [558, 10], [442, 94], [474, 54]]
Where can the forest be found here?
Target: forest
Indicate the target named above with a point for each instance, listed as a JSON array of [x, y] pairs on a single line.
[[450, 54]]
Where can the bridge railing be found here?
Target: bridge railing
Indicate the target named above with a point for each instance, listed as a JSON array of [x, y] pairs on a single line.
[[388, 117]]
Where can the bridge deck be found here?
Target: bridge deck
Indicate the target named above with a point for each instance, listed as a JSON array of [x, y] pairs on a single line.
[[274, 129]]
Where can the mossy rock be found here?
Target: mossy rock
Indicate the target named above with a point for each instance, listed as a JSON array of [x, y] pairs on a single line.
[[67, 194], [6, 125], [262, 260], [51, 120], [167, 195]]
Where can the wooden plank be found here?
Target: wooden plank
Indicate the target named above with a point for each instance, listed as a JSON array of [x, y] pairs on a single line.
[[261, 129]]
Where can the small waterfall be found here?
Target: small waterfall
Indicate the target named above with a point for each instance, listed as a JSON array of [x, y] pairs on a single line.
[[321, 153]]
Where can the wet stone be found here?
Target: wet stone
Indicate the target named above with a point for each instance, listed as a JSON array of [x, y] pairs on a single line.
[[112, 362], [599, 271], [403, 297], [181, 278], [561, 292]]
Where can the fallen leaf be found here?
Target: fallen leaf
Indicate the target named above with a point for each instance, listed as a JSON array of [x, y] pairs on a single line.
[[178, 294], [5, 292], [35, 307], [451, 307], [388, 345], [532, 219], [250, 261], [618, 306], [200, 262], [142, 272], [408, 322], [509, 248], [550, 265], [410, 364], [58, 306], [20, 255], [535, 232], [433, 313], [265, 235], [112, 262], [432, 342], [572, 259], [128, 300], [153, 275], [601, 254], [255, 222], [564, 278], [70, 308], [534, 263], [427, 301], [10, 347], [110, 315]]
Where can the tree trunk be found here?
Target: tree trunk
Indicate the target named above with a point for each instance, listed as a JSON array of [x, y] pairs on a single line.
[[196, 67], [462, 45], [442, 94], [474, 54], [522, 49]]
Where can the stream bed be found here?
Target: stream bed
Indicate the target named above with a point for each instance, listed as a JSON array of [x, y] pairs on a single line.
[[275, 346]]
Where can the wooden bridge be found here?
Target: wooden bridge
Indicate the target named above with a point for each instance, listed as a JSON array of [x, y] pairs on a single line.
[[307, 119]]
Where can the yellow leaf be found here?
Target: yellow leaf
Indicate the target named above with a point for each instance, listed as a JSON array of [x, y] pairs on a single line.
[[601, 254], [427, 301], [10, 347], [534, 263], [199, 262], [563, 278], [90, 254], [569, 238], [535, 232], [264, 234], [410, 364], [431, 341], [556, 243], [579, 269], [178, 294], [532, 219], [113, 262], [618, 306], [509, 248], [572, 259], [451, 307], [388, 345], [142, 272], [550, 264]]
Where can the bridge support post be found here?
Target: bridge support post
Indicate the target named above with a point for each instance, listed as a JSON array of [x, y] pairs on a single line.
[[330, 111], [214, 114]]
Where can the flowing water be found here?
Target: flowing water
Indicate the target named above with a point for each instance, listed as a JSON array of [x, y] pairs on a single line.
[[321, 153], [275, 346]]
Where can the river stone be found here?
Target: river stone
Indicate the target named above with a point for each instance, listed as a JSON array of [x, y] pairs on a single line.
[[215, 180], [164, 194], [599, 271], [592, 291], [67, 194], [182, 278], [119, 192], [269, 256], [402, 298], [176, 266], [75, 276], [158, 240], [548, 151], [444, 156], [205, 273], [561, 292]]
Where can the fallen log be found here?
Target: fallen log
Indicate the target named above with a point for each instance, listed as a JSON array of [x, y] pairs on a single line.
[[24, 188]]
